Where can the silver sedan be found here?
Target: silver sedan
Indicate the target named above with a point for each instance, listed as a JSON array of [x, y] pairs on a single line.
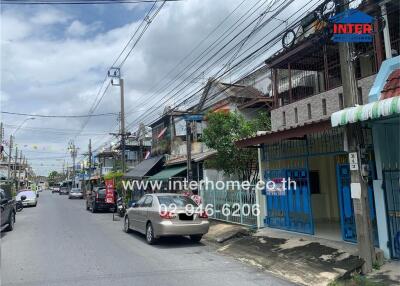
[[157, 215], [30, 198], [75, 193]]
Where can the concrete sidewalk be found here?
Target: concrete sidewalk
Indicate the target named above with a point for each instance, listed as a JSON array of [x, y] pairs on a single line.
[[387, 274], [302, 259]]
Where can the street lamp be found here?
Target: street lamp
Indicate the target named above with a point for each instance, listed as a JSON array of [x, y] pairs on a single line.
[[22, 123]]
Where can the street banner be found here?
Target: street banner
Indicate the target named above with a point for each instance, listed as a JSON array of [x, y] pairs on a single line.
[[110, 191]]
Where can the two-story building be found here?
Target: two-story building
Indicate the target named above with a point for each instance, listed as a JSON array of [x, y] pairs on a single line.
[[302, 145]]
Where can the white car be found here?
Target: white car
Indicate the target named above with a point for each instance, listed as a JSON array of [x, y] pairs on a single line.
[[31, 198]]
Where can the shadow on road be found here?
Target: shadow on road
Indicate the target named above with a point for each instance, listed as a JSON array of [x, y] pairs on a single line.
[[168, 242]]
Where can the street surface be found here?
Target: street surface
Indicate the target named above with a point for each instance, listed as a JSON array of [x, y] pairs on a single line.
[[60, 243]]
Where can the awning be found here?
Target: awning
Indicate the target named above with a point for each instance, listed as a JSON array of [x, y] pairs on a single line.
[[268, 137], [165, 174], [374, 110], [195, 158], [143, 168]]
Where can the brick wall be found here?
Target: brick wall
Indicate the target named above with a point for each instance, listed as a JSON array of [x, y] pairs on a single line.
[[315, 102]]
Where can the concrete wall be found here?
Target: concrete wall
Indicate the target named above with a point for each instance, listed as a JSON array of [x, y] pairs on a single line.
[[332, 105]]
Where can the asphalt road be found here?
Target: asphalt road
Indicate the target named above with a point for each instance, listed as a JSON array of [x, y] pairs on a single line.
[[60, 243]]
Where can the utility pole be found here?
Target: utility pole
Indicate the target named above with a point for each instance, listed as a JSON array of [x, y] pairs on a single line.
[[1, 140], [90, 164], [121, 83], [15, 167], [20, 166], [355, 142], [115, 73], [188, 151], [9, 157], [74, 152]]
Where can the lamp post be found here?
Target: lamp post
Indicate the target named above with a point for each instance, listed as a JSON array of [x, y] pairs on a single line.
[[22, 123]]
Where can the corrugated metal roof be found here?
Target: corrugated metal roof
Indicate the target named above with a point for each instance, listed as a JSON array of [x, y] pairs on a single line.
[[195, 157], [167, 174], [373, 110], [143, 168], [284, 133]]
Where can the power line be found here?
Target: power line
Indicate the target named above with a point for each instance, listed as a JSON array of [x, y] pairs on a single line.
[[56, 130], [78, 2], [210, 48], [146, 114], [59, 116], [236, 25], [205, 52], [147, 19]]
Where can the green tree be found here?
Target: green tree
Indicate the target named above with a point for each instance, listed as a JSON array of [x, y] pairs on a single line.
[[53, 177], [223, 129]]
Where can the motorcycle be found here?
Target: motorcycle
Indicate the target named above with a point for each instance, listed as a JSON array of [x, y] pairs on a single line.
[[19, 206], [121, 208]]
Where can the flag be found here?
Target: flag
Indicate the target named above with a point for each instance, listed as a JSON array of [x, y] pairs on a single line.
[[161, 133]]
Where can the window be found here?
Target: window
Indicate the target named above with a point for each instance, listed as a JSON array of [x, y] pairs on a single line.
[[283, 118], [179, 201], [140, 202], [309, 111], [296, 116], [324, 106], [341, 102], [148, 202], [359, 96]]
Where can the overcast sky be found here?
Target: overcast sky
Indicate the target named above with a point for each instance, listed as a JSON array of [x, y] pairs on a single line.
[[54, 59]]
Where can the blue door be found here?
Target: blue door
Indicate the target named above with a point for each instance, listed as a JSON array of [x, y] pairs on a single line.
[[391, 184], [347, 218], [289, 209]]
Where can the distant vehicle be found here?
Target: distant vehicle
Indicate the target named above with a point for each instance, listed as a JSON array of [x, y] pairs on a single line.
[[75, 193], [55, 190], [157, 215], [63, 191], [27, 197], [97, 200], [8, 210]]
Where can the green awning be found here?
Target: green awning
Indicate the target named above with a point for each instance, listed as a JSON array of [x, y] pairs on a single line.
[[374, 110], [165, 174]]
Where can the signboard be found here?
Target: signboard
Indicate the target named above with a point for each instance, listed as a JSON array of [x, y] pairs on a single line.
[[110, 191], [353, 160], [194, 117], [352, 26]]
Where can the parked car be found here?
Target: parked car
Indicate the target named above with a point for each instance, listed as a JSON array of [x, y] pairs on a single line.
[[75, 193], [8, 211], [55, 190], [98, 199], [63, 191], [28, 198], [155, 215]]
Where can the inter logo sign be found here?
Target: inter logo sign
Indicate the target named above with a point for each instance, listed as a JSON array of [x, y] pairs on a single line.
[[352, 26]]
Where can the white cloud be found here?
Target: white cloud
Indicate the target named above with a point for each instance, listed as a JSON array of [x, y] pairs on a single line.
[[49, 16], [79, 29], [60, 73]]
